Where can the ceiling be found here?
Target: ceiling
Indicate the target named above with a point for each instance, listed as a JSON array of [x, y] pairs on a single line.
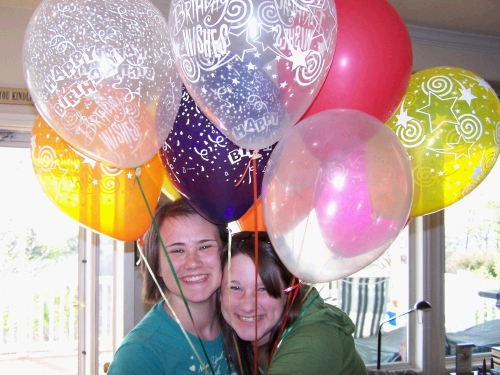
[[466, 16]]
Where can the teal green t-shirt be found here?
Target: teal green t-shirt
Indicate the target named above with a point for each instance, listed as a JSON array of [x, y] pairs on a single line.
[[157, 346]]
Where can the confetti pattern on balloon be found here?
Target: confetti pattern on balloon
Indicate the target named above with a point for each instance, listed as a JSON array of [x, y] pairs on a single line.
[[449, 123], [96, 71], [101, 197], [239, 54], [205, 167]]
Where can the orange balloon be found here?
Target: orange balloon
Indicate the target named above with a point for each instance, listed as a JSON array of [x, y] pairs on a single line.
[[106, 199], [247, 221]]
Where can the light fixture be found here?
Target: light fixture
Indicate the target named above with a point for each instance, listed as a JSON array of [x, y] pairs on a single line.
[[421, 305]]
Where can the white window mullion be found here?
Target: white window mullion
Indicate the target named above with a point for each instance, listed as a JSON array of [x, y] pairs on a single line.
[[123, 283], [88, 316], [433, 263]]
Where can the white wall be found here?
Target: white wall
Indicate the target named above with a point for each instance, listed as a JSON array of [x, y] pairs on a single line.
[[479, 54], [430, 49], [13, 22]]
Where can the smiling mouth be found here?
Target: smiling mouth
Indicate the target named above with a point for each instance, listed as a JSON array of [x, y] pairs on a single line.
[[250, 319], [195, 279]]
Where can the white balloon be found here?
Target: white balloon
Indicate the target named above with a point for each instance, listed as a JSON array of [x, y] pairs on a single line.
[[253, 66], [96, 70]]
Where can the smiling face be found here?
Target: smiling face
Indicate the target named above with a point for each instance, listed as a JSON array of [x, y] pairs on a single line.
[[193, 245], [238, 301]]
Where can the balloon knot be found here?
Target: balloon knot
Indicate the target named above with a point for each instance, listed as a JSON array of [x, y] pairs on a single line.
[[256, 155], [294, 287]]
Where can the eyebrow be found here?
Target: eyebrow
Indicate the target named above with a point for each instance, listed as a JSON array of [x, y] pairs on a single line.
[[200, 242]]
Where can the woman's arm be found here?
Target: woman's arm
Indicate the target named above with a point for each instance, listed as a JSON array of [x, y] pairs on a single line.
[[317, 348]]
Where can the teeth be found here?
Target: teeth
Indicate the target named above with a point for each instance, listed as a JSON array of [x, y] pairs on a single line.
[[193, 279], [251, 318]]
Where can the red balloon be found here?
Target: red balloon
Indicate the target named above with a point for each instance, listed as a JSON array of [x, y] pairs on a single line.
[[371, 67]]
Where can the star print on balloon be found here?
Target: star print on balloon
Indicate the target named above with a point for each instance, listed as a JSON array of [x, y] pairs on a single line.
[[96, 69], [106, 199], [277, 54], [449, 123], [205, 167]]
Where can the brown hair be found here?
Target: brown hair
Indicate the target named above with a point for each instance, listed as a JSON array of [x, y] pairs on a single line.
[[275, 277], [152, 246]]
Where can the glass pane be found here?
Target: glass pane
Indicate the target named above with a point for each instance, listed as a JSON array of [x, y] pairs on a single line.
[[106, 247], [472, 275], [372, 296], [39, 273]]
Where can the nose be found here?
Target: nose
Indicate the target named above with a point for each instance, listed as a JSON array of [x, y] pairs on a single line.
[[247, 301], [192, 260]]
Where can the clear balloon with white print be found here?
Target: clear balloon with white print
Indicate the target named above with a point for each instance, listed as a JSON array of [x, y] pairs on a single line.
[[96, 71], [254, 66]]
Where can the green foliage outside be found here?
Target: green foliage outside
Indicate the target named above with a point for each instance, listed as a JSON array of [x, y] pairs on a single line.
[[35, 256]]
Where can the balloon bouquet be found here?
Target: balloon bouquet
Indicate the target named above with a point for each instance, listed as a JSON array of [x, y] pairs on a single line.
[[310, 105]]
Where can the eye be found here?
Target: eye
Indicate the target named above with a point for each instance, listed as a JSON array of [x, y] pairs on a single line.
[[235, 288], [175, 251], [262, 289]]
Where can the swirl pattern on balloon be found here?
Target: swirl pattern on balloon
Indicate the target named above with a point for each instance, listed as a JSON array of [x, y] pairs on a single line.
[[412, 135], [457, 114], [470, 127], [439, 85]]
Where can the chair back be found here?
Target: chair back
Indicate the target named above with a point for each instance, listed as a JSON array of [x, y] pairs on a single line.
[[364, 299]]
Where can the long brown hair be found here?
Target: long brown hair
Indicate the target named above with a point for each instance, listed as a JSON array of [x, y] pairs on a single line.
[[276, 278]]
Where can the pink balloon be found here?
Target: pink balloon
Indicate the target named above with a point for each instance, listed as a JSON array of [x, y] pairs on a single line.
[[371, 68], [344, 207], [351, 204]]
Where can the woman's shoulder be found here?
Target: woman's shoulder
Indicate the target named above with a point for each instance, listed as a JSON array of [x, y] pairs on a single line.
[[316, 311]]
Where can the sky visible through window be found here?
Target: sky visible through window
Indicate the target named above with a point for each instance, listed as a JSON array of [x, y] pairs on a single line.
[[23, 200]]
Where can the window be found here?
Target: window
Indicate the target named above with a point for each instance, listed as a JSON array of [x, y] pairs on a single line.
[[58, 279], [472, 274], [39, 270], [374, 295]]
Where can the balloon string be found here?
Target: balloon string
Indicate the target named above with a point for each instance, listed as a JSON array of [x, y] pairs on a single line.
[[254, 156], [294, 288], [300, 315], [176, 318], [137, 175], [229, 270]]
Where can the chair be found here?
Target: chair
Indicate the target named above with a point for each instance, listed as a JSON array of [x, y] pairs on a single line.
[[364, 299], [394, 372]]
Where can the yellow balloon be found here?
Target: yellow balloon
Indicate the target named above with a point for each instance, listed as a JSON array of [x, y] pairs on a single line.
[[103, 198], [449, 123], [168, 189]]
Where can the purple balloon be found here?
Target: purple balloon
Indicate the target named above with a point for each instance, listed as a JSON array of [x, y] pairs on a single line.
[[205, 167]]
